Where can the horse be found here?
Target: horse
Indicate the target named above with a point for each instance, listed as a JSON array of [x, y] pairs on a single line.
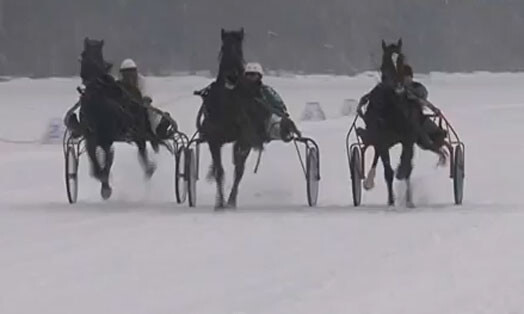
[[388, 120], [105, 116], [433, 141], [232, 114]]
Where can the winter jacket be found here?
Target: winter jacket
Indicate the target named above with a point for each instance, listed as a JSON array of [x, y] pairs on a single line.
[[273, 99]]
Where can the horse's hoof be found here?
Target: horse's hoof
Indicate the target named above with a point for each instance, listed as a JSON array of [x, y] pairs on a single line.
[[155, 146], [220, 204], [410, 205], [442, 157], [150, 171], [220, 208], [231, 205], [369, 184], [106, 192], [441, 161]]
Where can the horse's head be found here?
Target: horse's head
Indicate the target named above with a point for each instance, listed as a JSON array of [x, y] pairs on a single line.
[[92, 64], [231, 66], [392, 67]]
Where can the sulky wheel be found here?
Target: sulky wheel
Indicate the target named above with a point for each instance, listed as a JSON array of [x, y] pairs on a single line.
[[312, 176], [355, 165], [180, 176], [191, 175], [71, 174], [458, 174]]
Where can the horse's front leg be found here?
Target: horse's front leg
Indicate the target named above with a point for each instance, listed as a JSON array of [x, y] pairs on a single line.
[[369, 182], [388, 175], [106, 189], [148, 166], [406, 161], [218, 174], [240, 154], [405, 169], [91, 147]]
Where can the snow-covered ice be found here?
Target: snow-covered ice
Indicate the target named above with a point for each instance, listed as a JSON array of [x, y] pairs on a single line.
[[141, 253]]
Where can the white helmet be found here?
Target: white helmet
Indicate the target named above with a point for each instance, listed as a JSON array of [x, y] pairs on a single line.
[[128, 64], [254, 67]]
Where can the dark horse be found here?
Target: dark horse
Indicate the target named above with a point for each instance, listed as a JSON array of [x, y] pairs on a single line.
[[390, 119], [232, 115], [107, 115]]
